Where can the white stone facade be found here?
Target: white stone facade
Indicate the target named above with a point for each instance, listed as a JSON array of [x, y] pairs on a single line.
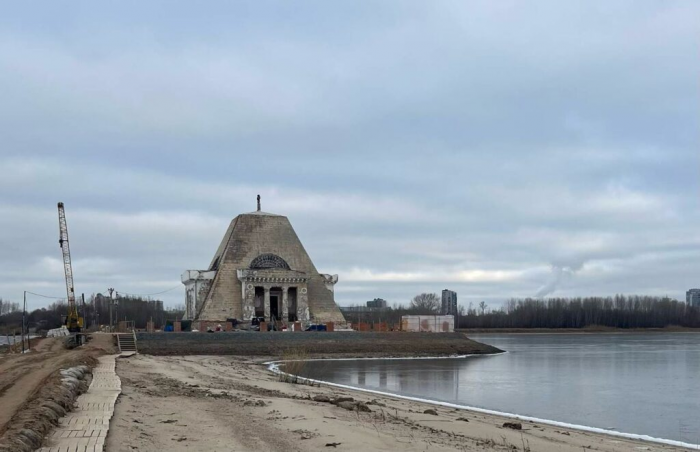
[[197, 284], [261, 269]]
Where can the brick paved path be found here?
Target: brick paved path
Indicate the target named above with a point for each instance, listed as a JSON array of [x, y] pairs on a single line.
[[85, 429]]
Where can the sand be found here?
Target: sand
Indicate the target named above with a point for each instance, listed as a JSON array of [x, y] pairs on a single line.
[[217, 403]]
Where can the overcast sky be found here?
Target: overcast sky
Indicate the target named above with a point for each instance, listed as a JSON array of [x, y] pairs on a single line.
[[499, 149]]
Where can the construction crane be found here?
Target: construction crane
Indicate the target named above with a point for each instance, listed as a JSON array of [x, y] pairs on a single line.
[[73, 322]]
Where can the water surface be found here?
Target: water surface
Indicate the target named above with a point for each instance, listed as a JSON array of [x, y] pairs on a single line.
[[634, 383]]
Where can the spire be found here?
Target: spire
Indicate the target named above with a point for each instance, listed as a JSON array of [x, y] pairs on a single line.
[[258, 203]]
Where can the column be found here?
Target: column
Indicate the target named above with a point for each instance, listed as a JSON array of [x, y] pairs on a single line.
[[266, 304], [302, 304], [248, 301], [285, 305]]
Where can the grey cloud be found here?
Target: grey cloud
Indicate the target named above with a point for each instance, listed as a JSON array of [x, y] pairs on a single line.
[[401, 139]]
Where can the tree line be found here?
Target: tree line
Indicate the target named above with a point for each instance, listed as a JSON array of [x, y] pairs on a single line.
[[620, 311], [95, 312]]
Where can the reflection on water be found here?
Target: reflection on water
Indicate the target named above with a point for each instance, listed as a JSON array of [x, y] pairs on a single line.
[[634, 383]]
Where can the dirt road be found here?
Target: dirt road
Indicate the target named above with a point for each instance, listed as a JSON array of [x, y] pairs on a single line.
[[22, 374], [223, 403]]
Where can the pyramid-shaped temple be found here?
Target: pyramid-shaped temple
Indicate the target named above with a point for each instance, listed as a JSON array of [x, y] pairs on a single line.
[[261, 269]]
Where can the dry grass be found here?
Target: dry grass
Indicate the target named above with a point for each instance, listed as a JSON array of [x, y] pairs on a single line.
[[293, 366]]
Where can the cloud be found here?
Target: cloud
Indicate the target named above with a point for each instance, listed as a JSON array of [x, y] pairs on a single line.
[[487, 147]]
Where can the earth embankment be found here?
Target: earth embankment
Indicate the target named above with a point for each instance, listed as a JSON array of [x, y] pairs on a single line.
[[315, 344], [22, 376]]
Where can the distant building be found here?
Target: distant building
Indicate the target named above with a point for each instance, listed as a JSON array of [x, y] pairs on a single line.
[[692, 297], [449, 302], [428, 323], [156, 305], [377, 303]]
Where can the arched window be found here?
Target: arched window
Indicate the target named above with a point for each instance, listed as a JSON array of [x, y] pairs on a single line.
[[269, 260]]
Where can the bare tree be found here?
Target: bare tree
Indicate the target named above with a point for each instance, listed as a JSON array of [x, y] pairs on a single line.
[[427, 303], [7, 307], [635, 311]]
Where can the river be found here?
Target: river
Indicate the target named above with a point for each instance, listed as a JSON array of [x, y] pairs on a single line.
[[639, 383]]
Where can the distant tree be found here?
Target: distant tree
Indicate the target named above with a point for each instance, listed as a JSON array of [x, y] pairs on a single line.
[[8, 307], [425, 303], [635, 311]]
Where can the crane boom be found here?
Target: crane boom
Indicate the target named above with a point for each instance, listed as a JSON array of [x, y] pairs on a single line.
[[73, 321]]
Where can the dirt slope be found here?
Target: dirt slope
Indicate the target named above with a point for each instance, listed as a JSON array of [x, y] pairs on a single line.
[[21, 375]]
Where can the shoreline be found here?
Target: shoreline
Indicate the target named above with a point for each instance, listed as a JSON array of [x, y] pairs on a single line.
[[483, 331], [236, 403], [273, 366], [311, 344]]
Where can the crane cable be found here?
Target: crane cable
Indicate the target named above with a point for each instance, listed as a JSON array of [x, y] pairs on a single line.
[[63, 297], [146, 294], [46, 296]]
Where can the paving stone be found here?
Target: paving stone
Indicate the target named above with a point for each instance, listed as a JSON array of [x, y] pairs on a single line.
[[85, 429]]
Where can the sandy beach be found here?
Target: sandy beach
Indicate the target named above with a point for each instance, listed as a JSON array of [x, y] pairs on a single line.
[[218, 403]]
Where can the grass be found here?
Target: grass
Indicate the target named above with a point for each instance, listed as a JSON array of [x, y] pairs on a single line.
[[293, 366]]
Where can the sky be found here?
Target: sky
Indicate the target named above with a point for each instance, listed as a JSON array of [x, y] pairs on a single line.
[[498, 149]]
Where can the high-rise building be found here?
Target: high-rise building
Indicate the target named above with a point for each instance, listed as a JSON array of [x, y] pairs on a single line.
[[449, 303], [377, 303], [692, 297]]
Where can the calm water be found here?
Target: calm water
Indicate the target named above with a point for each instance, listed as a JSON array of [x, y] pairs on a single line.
[[633, 383]]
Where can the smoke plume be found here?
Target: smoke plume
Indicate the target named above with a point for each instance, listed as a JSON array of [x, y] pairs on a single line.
[[560, 273]]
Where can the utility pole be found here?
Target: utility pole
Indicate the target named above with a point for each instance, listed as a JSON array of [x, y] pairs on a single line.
[[111, 302], [82, 296], [24, 313]]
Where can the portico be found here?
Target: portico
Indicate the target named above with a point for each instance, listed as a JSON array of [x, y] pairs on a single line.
[[274, 294]]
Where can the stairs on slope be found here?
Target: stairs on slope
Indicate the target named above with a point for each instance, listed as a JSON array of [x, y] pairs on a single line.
[[126, 342]]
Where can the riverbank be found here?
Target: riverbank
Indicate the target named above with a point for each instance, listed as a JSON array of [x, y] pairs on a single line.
[[586, 330], [312, 344], [234, 403]]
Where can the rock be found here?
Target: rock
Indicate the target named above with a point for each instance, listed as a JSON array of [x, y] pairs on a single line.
[[322, 398], [362, 407], [513, 425], [348, 405], [339, 400], [463, 419], [430, 411], [376, 402], [259, 403]]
